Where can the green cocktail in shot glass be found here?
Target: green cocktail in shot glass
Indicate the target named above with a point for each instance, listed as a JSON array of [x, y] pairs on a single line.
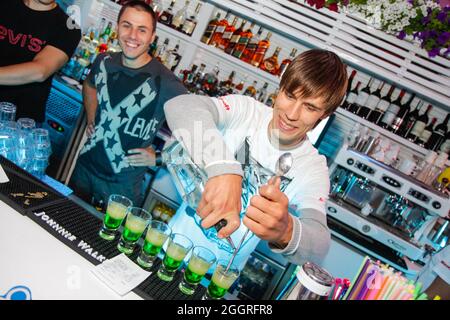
[[199, 263], [221, 280], [135, 224], [115, 213], [156, 236], [177, 250]]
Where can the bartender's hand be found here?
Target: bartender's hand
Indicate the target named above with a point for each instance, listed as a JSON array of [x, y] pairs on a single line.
[[221, 199], [141, 157], [268, 216]]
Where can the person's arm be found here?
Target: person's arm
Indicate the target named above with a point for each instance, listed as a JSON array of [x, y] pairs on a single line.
[[194, 121], [90, 103], [44, 64]]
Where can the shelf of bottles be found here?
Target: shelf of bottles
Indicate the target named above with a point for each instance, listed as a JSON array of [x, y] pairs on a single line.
[[405, 119]]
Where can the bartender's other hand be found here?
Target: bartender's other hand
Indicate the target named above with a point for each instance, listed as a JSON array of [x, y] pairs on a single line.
[[90, 129], [267, 215], [141, 157], [221, 199]]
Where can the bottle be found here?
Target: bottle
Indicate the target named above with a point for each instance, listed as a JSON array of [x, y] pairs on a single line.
[[180, 17], [220, 29], [226, 86], [187, 75], [363, 96], [244, 39], [197, 80], [391, 112], [438, 134], [167, 15], [405, 109], [286, 62], [212, 25], [107, 31], [189, 25], [227, 34], [426, 134], [262, 93], [350, 104], [157, 7], [419, 126], [251, 90], [161, 54], [271, 99], [240, 86], [271, 64], [377, 114], [409, 121], [174, 58], [153, 47], [251, 47], [260, 52], [235, 37], [373, 101], [211, 80]]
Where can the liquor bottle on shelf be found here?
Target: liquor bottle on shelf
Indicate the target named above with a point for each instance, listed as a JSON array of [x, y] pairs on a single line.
[[373, 101], [157, 7], [180, 17], [251, 47], [260, 52], [262, 93], [419, 126], [191, 22], [240, 86], [153, 47], [350, 104], [235, 37], [161, 52], [349, 88], [286, 62], [271, 64], [166, 16], [410, 120], [271, 99], [363, 96], [186, 75], [173, 58], [210, 29], [210, 81], [219, 31], [391, 112], [251, 90], [244, 39], [426, 134], [227, 34], [405, 109], [438, 134], [227, 86], [377, 115]]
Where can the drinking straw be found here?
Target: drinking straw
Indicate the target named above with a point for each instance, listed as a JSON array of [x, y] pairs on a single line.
[[386, 275], [417, 289], [337, 288], [423, 296], [371, 271], [379, 280], [345, 287], [358, 275]]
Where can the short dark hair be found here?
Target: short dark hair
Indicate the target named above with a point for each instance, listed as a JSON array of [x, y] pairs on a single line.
[[317, 73], [139, 5]]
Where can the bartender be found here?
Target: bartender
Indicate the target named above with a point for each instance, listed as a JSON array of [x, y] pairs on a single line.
[[36, 39], [294, 221]]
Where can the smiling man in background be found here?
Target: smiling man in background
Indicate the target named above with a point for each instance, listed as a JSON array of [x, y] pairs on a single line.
[[35, 42], [124, 96]]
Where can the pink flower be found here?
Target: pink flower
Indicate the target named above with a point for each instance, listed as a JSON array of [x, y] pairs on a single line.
[[333, 7], [320, 4]]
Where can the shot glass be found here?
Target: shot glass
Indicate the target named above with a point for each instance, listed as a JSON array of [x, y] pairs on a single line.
[[199, 263], [221, 280], [136, 222], [7, 111], [115, 213], [177, 249], [156, 236]]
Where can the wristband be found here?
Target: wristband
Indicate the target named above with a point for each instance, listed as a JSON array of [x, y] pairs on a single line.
[[158, 159]]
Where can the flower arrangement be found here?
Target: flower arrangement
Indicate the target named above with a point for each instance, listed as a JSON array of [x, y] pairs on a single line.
[[426, 21]]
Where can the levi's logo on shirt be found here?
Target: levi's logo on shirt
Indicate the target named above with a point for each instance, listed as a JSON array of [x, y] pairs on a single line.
[[23, 40]]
